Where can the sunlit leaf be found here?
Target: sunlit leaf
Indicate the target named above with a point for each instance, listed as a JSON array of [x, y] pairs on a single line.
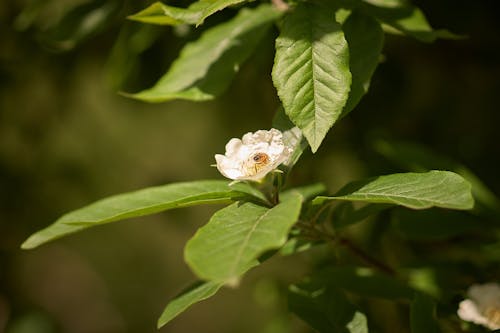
[[237, 235], [194, 294], [423, 315], [413, 190], [311, 70], [418, 158], [365, 38], [205, 67], [196, 13], [143, 202]]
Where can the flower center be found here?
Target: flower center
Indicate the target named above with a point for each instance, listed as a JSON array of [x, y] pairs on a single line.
[[260, 158], [255, 163], [492, 313]]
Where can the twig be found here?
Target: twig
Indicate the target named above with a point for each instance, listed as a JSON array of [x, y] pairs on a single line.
[[280, 5], [353, 248], [365, 256]]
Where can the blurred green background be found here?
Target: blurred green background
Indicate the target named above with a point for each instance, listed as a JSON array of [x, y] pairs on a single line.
[[68, 138]]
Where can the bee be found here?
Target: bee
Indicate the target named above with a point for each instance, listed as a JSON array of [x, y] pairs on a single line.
[[493, 314], [256, 162]]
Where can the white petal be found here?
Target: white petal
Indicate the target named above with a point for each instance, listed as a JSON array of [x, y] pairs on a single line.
[[233, 146], [485, 295], [468, 311]]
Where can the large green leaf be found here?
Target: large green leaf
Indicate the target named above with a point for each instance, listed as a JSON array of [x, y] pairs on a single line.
[[423, 315], [414, 157], [194, 294], [365, 38], [143, 202], [237, 235], [311, 70], [206, 66], [413, 190], [196, 13], [325, 308]]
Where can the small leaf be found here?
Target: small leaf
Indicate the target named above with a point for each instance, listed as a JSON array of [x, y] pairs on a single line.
[[196, 13], [388, 3], [311, 70], [307, 191], [206, 66], [345, 214], [365, 38], [194, 294], [325, 308], [409, 20], [423, 315], [79, 24], [413, 190], [229, 244], [367, 282], [143, 202]]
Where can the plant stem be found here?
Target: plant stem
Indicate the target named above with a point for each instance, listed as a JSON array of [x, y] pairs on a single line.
[[353, 248], [365, 256]]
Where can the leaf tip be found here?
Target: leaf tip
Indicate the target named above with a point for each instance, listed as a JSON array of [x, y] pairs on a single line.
[[161, 322], [30, 243]]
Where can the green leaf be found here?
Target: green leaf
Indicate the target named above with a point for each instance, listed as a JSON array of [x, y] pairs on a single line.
[[365, 38], [194, 294], [325, 308], [311, 70], [307, 192], [410, 21], [206, 66], [229, 244], [345, 214], [196, 13], [367, 282], [418, 158], [79, 24], [423, 315], [387, 3], [139, 203], [413, 190], [434, 224]]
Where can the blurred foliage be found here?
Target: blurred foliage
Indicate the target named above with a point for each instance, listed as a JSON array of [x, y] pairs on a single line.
[[67, 137]]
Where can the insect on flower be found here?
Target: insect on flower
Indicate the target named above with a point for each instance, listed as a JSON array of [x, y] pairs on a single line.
[[258, 161], [254, 156]]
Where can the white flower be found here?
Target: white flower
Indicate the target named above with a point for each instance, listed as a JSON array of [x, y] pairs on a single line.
[[254, 156], [483, 305]]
